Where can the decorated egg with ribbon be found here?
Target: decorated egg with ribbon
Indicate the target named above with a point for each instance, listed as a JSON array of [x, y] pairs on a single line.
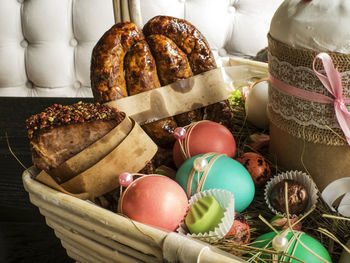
[[293, 243], [202, 137], [154, 200], [217, 171]]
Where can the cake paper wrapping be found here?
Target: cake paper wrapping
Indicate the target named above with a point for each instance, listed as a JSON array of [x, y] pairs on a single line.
[[189, 94], [301, 129], [305, 119], [226, 201], [299, 177], [93, 175]]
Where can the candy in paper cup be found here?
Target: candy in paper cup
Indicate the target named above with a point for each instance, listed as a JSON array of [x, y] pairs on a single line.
[[300, 177], [226, 201]]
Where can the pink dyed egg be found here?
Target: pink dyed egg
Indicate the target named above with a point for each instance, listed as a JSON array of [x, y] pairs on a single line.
[[205, 137], [155, 200]]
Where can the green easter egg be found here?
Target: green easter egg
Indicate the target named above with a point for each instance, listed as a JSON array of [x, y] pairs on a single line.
[[224, 173], [204, 215], [300, 246]]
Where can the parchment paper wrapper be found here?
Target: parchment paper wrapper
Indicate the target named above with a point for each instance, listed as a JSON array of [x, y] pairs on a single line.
[[299, 177], [226, 201], [127, 148], [188, 94]]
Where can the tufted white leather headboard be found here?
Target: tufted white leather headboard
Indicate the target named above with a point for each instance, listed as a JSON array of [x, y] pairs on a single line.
[[45, 45]]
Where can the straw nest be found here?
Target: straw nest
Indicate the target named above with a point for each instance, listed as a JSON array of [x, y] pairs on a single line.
[[322, 223]]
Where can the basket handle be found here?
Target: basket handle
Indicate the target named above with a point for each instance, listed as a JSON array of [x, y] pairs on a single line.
[[127, 10]]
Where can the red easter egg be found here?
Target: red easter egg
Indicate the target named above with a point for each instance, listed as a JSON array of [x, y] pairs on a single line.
[[155, 200], [257, 167], [205, 137], [240, 230]]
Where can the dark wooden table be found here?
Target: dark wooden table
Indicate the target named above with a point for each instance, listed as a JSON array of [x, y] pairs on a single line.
[[24, 235]]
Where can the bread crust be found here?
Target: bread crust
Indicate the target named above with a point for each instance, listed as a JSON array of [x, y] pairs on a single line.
[[187, 38], [172, 62], [51, 148], [140, 69], [60, 132], [107, 61], [172, 50], [141, 75]]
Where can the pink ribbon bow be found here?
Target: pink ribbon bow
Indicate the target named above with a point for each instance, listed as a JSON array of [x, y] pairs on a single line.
[[332, 82]]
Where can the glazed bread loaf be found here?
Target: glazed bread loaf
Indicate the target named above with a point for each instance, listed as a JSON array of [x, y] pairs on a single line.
[[127, 61], [187, 38], [60, 132], [179, 49], [107, 61]]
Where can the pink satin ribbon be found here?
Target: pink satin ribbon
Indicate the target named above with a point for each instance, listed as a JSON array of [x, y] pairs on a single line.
[[332, 82]]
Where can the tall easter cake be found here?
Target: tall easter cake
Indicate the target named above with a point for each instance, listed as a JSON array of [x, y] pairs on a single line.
[[310, 123]]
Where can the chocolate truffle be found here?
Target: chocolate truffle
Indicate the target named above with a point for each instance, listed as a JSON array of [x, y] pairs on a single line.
[[297, 197]]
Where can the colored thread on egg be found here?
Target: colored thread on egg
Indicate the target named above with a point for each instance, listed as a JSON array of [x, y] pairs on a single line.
[[200, 183], [121, 195], [297, 236], [290, 243], [185, 143]]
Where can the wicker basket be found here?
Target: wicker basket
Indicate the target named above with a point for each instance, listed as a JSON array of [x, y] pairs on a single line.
[[90, 233]]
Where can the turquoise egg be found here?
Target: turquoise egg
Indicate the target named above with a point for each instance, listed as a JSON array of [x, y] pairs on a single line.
[[225, 173], [300, 246]]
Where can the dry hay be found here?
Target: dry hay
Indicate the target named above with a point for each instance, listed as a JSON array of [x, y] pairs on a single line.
[[319, 224]]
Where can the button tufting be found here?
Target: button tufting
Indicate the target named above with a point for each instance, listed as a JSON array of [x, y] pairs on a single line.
[[222, 52], [76, 84], [73, 42], [24, 43], [231, 9]]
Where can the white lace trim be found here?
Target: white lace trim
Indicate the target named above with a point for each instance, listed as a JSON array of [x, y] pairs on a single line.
[[301, 111], [304, 77]]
